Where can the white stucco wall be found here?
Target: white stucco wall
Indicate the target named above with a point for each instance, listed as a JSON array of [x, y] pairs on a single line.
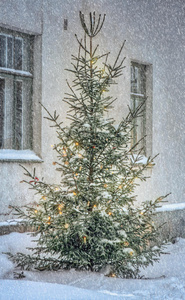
[[154, 33]]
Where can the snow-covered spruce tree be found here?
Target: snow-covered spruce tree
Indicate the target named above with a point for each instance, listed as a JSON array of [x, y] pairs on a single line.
[[90, 221]]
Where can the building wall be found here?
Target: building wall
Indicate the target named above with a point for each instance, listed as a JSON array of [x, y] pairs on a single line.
[[154, 33]]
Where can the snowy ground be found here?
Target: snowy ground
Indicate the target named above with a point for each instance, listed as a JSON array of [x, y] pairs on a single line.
[[165, 280]]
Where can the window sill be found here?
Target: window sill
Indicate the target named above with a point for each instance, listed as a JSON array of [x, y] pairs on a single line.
[[7, 155], [171, 207]]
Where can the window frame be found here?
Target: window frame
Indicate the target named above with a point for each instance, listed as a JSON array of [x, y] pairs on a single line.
[[25, 75], [147, 97], [26, 39]]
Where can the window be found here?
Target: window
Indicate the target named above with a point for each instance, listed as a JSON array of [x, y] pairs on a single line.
[[138, 95], [15, 90]]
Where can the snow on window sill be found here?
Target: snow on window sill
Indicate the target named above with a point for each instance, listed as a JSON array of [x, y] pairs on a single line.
[[171, 207], [18, 156], [12, 222], [15, 72]]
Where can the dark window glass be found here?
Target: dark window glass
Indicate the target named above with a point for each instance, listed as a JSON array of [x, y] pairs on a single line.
[[9, 52], [18, 115], [138, 79], [18, 53], [2, 51], [2, 94]]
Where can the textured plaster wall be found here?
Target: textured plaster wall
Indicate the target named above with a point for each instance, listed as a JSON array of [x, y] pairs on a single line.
[[154, 33], [24, 15]]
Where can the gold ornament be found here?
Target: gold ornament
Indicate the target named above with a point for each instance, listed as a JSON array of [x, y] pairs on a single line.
[[48, 222], [102, 71], [60, 206], [94, 60], [64, 153]]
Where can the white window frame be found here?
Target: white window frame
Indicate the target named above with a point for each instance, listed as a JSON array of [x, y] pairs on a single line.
[[144, 128], [26, 77]]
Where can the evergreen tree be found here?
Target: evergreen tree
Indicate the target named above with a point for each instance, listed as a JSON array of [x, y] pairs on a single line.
[[90, 220]]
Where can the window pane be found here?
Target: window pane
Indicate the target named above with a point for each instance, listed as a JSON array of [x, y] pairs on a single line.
[[26, 57], [138, 131], [18, 130], [143, 79], [8, 112], [18, 53], [2, 51], [134, 79], [9, 52], [2, 96], [138, 79], [27, 114], [140, 124]]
